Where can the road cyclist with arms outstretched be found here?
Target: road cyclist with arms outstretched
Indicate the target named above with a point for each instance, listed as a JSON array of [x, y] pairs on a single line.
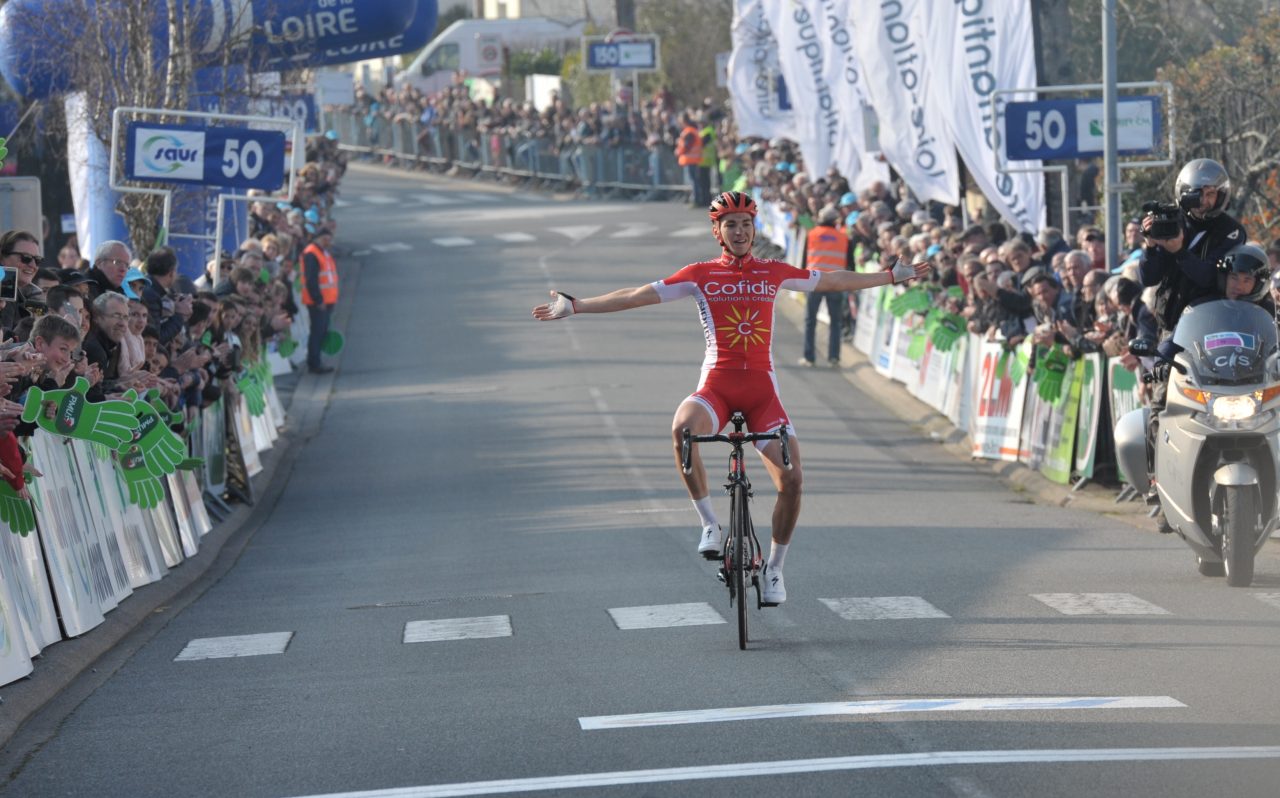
[[735, 294]]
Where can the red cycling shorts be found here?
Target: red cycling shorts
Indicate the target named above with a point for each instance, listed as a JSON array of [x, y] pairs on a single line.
[[754, 393]]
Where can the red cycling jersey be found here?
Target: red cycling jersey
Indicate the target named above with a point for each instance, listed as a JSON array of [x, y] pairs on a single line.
[[735, 302]]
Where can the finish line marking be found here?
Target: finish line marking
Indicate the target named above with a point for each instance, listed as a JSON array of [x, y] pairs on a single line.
[[829, 764], [875, 708]]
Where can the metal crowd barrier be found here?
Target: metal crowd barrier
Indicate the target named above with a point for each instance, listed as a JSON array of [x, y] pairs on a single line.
[[626, 169]]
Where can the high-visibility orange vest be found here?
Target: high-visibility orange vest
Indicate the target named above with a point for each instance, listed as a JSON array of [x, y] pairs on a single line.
[[827, 249], [689, 147], [328, 278]]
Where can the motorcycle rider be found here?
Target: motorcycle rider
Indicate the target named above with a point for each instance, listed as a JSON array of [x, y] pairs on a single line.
[[1184, 268]]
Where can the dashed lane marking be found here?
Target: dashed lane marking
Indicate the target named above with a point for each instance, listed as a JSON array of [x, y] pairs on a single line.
[[663, 615], [452, 241], [341, 203], [785, 767], [1099, 604], [457, 629], [395, 246], [880, 608], [435, 199], [515, 238], [235, 646], [636, 230], [576, 232], [380, 199], [691, 232], [891, 707]]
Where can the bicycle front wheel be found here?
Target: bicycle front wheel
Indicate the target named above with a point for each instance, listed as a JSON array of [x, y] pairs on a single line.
[[741, 560]]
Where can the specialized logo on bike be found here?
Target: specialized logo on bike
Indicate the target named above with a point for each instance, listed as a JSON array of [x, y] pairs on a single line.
[[1229, 339], [743, 327], [69, 412]]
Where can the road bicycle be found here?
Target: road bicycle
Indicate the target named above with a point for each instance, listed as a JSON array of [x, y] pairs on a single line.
[[742, 558]]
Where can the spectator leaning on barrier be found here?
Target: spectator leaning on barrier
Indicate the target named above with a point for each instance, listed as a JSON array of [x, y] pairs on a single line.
[[319, 294]]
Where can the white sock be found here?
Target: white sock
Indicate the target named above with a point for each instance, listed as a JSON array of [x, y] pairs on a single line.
[[777, 554], [705, 513]]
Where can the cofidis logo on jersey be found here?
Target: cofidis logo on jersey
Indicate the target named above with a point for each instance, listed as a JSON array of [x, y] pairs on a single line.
[[168, 154]]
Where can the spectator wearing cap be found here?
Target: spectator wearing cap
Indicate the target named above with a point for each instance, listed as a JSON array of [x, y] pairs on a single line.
[[826, 249], [166, 312], [110, 263]]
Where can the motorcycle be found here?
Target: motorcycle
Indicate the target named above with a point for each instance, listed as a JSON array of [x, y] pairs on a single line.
[[1218, 438]]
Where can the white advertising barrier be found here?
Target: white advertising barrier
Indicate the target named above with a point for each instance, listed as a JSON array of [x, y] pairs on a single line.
[[864, 332], [187, 531], [195, 501], [65, 550], [22, 566], [242, 426], [96, 481], [141, 550], [276, 407], [1000, 393], [15, 655]]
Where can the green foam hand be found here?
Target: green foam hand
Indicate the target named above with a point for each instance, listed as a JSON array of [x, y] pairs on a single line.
[[947, 329], [913, 300], [4, 151], [287, 347], [66, 412], [1051, 368], [254, 396], [1018, 363], [332, 343], [159, 447], [191, 464], [145, 490], [170, 417], [16, 511]]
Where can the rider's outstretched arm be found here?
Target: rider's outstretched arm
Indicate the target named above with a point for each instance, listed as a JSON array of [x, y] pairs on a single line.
[[856, 281], [562, 305]]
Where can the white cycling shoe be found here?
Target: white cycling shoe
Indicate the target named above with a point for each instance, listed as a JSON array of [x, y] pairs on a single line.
[[773, 590], [711, 546]]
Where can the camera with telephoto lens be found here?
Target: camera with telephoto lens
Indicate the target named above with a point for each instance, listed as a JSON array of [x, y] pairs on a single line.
[[1167, 219]]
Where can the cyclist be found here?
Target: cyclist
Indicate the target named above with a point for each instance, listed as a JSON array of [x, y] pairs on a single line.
[[735, 295]]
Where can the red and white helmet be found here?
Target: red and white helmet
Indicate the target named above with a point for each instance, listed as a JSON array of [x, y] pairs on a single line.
[[731, 202]]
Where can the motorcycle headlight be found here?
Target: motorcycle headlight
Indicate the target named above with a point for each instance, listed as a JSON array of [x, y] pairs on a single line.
[[1234, 408]]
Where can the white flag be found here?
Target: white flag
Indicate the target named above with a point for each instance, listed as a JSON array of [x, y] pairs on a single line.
[[855, 155], [891, 42], [802, 56], [754, 75], [979, 47]]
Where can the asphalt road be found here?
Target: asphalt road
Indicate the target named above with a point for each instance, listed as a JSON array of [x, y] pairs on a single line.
[[508, 486]]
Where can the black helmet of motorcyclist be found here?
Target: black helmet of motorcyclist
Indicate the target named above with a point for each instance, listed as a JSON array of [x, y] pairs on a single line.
[[1246, 259], [1194, 178]]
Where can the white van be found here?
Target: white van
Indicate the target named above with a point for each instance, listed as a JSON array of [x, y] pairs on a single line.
[[476, 45]]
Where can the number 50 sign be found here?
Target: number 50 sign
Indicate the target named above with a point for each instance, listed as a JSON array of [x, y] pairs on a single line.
[[218, 156]]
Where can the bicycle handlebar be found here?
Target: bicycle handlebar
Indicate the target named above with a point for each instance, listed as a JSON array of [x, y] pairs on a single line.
[[736, 438]]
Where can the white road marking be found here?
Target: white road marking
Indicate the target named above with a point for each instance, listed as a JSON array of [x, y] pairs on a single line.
[[435, 199], [395, 246], [663, 615], [457, 629], [692, 232], [341, 203], [576, 232], [515, 238], [380, 199], [892, 707], [1269, 598], [235, 646], [880, 608], [785, 767], [636, 230], [1098, 604], [452, 241]]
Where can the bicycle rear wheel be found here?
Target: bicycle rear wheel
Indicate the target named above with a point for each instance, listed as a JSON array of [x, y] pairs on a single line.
[[741, 560]]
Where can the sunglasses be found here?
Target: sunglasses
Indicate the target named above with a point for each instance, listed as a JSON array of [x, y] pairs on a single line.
[[26, 259]]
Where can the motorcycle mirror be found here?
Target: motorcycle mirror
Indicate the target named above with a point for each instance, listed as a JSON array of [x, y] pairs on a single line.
[[1142, 347]]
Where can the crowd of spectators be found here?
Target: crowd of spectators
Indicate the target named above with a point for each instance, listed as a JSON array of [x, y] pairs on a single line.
[[124, 321]]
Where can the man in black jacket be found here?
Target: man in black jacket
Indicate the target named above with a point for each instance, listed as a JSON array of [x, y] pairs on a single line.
[[165, 311]]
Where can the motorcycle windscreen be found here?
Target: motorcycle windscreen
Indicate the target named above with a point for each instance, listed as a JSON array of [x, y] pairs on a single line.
[[1228, 341]]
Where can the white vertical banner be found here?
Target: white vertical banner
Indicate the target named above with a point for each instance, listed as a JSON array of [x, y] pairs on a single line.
[[890, 37], [853, 153], [753, 75], [978, 47], [802, 57]]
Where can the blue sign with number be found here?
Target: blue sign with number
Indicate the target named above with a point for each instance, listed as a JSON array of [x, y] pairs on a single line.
[[1052, 129], [300, 108], [637, 54], [219, 156]]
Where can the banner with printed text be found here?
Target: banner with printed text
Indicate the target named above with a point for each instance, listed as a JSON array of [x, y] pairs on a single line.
[[1091, 384], [755, 79], [976, 48], [1000, 395], [891, 39], [1123, 391]]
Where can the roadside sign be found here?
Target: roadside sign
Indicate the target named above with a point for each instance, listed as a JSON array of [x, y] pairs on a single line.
[[1063, 129], [300, 108], [639, 53], [218, 156]]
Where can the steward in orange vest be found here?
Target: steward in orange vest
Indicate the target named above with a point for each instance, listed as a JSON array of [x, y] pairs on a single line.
[[827, 249], [319, 272], [689, 145]]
